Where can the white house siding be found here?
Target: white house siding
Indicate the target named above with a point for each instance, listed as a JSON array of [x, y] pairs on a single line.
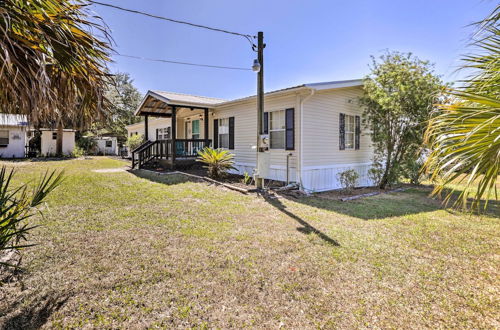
[[153, 123], [49, 144], [245, 136], [322, 159], [17, 142]]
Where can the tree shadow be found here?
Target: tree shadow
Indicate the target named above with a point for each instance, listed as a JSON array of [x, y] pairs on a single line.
[[34, 315], [306, 228], [414, 200]]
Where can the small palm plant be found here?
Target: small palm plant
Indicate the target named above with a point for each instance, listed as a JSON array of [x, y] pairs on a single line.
[[218, 161], [16, 206]]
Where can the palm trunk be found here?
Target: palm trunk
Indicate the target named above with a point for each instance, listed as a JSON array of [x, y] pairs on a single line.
[[59, 141]]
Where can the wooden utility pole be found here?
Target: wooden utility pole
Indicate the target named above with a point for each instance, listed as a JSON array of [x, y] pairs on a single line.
[[260, 104]]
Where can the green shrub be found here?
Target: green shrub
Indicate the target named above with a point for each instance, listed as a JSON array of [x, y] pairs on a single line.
[[78, 152], [19, 204], [247, 178], [348, 179], [375, 173], [412, 170], [134, 141], [86, 143], [218, 161]]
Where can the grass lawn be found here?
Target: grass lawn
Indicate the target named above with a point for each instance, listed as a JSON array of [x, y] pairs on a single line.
[[123, 250]]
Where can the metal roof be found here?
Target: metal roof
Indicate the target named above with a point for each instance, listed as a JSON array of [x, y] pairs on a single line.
[[189, 99], [13, 120], [154, 97]]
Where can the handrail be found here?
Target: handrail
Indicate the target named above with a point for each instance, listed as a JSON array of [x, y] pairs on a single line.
[[143, 145], [167, 149]]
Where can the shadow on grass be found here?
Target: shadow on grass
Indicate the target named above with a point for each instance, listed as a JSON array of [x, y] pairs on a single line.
[[415, 200], [165, 178], [306, 227], [34, 315]]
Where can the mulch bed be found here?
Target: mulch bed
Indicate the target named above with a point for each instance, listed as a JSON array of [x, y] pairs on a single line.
[[231, 179]]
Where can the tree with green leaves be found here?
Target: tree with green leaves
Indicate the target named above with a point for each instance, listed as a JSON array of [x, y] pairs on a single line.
[[399, 94], [124, 99], [465, 135]]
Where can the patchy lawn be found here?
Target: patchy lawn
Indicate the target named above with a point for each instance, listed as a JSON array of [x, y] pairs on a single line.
[[123, 250]]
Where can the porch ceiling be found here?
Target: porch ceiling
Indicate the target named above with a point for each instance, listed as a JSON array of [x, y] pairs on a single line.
[[155, 104]]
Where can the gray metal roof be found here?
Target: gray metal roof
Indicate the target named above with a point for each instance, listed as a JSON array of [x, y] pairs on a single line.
[[13, 120], [187, 98]]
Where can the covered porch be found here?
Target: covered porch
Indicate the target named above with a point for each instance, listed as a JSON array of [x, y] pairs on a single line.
[[188, 132]]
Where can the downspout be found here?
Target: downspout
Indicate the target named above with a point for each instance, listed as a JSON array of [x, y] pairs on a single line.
[[301, 150]]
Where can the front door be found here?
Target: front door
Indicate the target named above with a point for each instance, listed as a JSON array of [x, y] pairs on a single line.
[[195, 129]]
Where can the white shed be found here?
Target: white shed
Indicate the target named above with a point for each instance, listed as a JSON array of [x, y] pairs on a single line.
[[49, 142], [107, 145], [13, 130]]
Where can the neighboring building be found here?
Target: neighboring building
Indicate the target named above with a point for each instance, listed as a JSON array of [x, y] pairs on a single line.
[[13, 133], [314, 132], [107, 145], [48, 143]]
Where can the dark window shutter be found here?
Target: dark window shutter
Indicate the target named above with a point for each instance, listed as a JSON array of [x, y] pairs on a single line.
[[216, 133], [342, 131], [289, 129], [231, 132], [157, 134], [266, 123], [357, 132]]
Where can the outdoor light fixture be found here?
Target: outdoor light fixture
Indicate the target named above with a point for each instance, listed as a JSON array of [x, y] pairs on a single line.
[[256, 65]]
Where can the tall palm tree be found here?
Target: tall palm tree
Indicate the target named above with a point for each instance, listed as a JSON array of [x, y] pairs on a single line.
[[465, 135], [52, 63]]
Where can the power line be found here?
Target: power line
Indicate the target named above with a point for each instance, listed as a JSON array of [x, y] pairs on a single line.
[[247, 36], [185, 63]]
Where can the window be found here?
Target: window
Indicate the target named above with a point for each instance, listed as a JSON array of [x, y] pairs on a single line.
[[4, 137], [350, 131], [277, 129], [224, 133], [164, 133], [109, 144], [54, 135]]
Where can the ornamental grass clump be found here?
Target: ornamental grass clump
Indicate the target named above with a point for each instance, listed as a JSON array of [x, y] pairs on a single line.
[[218, 161], [17, 205]]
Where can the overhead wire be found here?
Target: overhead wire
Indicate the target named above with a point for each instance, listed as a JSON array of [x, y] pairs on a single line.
[[185, 63]]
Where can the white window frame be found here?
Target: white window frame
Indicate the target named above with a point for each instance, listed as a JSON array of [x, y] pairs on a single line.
[[277, 125], [350, 131], [6, 132], [223, 132], [163, 133]]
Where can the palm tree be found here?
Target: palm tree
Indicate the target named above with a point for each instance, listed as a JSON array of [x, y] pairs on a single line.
[[465, 135], [52, 64]]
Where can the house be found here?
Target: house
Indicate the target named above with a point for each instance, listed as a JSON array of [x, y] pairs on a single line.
[[13, 136], [314, 131], [107, 145], [48, 143]]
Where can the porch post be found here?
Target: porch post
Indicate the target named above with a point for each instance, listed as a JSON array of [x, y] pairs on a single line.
[[146, 128], [174, 132], [206, 127]]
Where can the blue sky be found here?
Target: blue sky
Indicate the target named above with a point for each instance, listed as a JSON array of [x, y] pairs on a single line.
[[307, 41]]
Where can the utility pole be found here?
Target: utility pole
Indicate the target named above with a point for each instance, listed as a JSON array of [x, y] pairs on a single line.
[[259, 182]]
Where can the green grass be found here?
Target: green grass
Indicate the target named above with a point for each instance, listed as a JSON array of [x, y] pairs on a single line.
[[124, 250]]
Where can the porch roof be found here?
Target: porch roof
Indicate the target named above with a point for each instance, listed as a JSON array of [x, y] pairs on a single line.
[[160, 104]]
